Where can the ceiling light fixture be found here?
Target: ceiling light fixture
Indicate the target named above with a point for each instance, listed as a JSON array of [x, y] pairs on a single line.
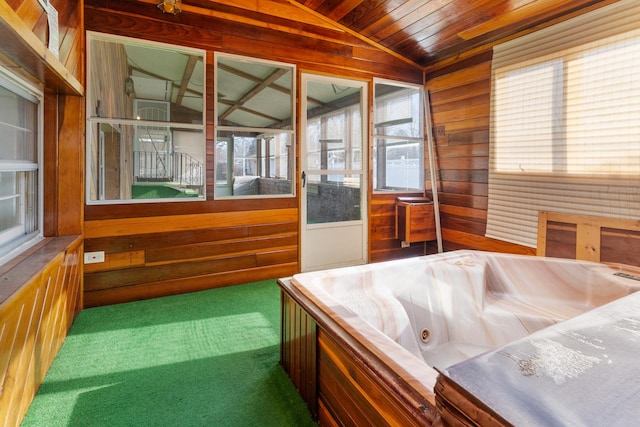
[[170, 6]]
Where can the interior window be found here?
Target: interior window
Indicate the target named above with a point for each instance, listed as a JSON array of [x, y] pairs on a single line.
[[398, 137], [145, 132], [254, 127], [20, 139]]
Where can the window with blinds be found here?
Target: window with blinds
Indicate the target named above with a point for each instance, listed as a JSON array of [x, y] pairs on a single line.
[[565, 123]]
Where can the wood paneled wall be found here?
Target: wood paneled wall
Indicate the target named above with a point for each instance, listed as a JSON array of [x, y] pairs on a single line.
[[166, 248], [164, 255], [460, 108], [383, 244], [36, 312], [41, 290]]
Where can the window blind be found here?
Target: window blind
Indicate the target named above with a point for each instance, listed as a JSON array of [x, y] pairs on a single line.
[[565, 123]]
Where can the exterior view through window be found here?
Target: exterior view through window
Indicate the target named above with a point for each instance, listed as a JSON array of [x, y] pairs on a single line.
[[398, 137], [20, 186], [254, 128]]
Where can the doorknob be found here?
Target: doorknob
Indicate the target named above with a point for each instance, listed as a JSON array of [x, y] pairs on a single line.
[[304, 179]]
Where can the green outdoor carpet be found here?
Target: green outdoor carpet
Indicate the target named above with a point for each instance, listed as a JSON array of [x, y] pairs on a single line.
[[208, 358]]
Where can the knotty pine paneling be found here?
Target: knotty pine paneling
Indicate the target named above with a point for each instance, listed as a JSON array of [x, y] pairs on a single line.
[[35, 318], [352, 393], [311, 44], [151, 256], [178, 247], [459, 96], [383, 244], [298, 350]]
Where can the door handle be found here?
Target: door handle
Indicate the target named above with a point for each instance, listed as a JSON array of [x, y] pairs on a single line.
[[304, 179]]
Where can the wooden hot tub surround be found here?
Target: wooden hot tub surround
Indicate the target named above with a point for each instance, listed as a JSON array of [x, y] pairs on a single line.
[[342, 381]]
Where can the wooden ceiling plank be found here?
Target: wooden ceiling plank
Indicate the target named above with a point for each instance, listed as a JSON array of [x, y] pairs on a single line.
[[293, 29], [444, 24], [312, 4], [343, 9], [526, 12], [368, 13], [361, 37], [415, 17], [277, 8]]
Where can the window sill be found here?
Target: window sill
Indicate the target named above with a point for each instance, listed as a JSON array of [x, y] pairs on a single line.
[[21, 270]]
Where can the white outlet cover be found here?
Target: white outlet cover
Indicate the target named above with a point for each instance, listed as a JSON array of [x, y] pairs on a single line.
[[93, 257]]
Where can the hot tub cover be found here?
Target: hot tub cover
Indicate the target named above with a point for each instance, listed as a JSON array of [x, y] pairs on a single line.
[[581, 372]]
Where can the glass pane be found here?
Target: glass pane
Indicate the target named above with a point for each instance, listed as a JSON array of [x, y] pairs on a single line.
[[398, 164], [146, 137], [139, 70], [398, 110], [253, 164], [18, 127], [253, 93], [333, 198], [398, 152], [334, 130], [159, 162], [9, 201]]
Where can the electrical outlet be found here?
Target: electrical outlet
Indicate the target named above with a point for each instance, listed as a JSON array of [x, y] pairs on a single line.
[[93, 257]]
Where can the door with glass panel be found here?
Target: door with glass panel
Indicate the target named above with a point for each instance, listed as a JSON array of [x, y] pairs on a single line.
[[333, 172]]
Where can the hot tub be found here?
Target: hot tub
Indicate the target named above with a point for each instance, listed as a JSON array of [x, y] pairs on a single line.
[[396, 321]]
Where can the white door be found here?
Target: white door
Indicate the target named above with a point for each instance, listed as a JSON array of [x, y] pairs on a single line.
[[334, 178]]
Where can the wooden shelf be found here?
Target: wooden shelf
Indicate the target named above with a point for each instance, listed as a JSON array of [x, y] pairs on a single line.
[[26, 51]]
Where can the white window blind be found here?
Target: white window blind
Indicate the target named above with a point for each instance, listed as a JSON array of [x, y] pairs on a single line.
[[565, 123]]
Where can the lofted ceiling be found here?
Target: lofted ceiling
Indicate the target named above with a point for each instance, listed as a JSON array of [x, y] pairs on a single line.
[[418, 31], [425, 31]]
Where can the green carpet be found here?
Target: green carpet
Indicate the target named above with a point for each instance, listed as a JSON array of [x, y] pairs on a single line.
[[201, 359]]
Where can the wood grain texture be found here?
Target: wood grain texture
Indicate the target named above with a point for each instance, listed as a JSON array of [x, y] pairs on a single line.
[[434, 31], [459, 95], [384, 245], [298, 350], [174, 254], [24, 29], [588, 237], [181, 246], [35, 319], [263, 30], [352, 386]]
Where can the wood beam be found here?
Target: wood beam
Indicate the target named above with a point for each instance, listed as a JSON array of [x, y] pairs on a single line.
[[186, 76], [256, 90]]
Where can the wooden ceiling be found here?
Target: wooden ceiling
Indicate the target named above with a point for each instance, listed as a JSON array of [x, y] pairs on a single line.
[[420, 32], [431, 30]]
